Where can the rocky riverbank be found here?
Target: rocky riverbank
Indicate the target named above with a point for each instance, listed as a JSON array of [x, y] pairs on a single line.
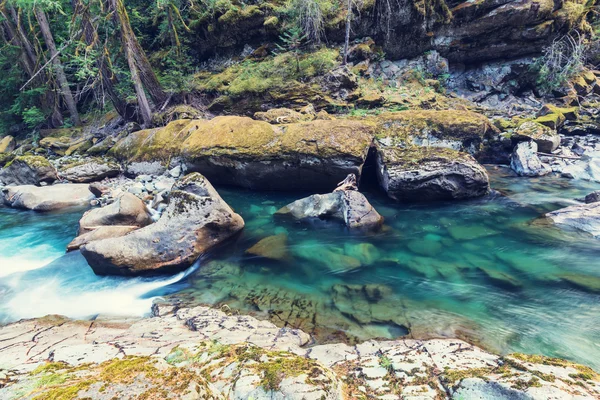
[[203, 353]]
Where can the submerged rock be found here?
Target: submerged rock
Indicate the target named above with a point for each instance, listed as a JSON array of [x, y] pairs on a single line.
[[196, 219], [272, 247], [582, 217], [350, 207], [91, 170], [429, 174], [28, 170], [47, 198], [525, 161]]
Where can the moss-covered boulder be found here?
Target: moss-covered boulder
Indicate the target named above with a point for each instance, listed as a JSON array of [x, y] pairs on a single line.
[[28, 170], [456, 129], [282, 116], [7, 144], [90, 170], [195, 220], [60, 145], [420, 174], [254, 154], [546, 138]]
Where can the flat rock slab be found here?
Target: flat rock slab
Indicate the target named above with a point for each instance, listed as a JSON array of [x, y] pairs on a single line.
[[47, 198], [241, 356]]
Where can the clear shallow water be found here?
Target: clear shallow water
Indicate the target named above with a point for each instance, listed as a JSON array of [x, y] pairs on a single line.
[[477, 270]]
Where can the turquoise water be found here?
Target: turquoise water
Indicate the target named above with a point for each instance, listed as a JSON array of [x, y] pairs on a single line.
[[478, 270]]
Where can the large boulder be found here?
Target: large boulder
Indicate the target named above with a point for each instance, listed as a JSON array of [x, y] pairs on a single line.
[[7, 144], [582, 217], [195, 220], [347, 206], [525, 161], [101, 232], [244, 152], [546, 138], [91, 170], [127, 210], [28, 170], [454, 129], [420, 174], [47, 198]]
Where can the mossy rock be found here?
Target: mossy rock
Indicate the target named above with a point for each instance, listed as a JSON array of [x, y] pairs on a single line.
[[61, 132], [552, 121], [35, 162], [429, 126], [158, 144], [570, 113], [79, 148], [7, 144], [5, 158], [546, 138], [281, 116]]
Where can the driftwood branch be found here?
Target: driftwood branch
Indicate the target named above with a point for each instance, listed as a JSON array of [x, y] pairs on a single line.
[[556, 156]]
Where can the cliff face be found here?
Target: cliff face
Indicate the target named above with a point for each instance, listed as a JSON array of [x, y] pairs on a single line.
[[462, 31]]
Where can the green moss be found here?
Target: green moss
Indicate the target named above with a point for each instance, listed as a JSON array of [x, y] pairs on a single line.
[[6, 158], [455, 376], [64, 392], [284, 365], [35, 162], [271, 74], [415, 156], [553, 121], [447, 124], [271, 21]]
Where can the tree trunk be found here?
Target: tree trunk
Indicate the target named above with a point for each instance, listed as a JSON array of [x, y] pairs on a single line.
[[65, 90], [28, 61], [108, 80], [145, 72]]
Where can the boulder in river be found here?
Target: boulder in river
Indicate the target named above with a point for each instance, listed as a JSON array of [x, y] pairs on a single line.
[[28, 170], [546, 138], [47, 198], [593, 197], [581, 217], [525, 161], [195, 220], [127, 210], [350, 207], [91, 170], [418, 174], [102, 232], [244, 152]]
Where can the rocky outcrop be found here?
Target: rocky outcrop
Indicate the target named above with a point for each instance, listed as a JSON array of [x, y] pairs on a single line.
[[349, 207], [254, 154], [47, 198], [525, 161], [7, 144], [28, 170], [91, 170], [205, 353], [583, 218], [547, 139], [429, 174], [127, 210], [454, 129], [195, 220]]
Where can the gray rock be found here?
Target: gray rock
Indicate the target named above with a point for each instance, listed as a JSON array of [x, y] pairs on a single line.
[[175, 172], [593, 197], [48, 198], [144, 168], [479, 389], [127, 210], [582, 217], [91, 171], [430, 174], [28, 170], [102, 232], [195, 220], [525, 161], [350, 207], [546, 138]]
